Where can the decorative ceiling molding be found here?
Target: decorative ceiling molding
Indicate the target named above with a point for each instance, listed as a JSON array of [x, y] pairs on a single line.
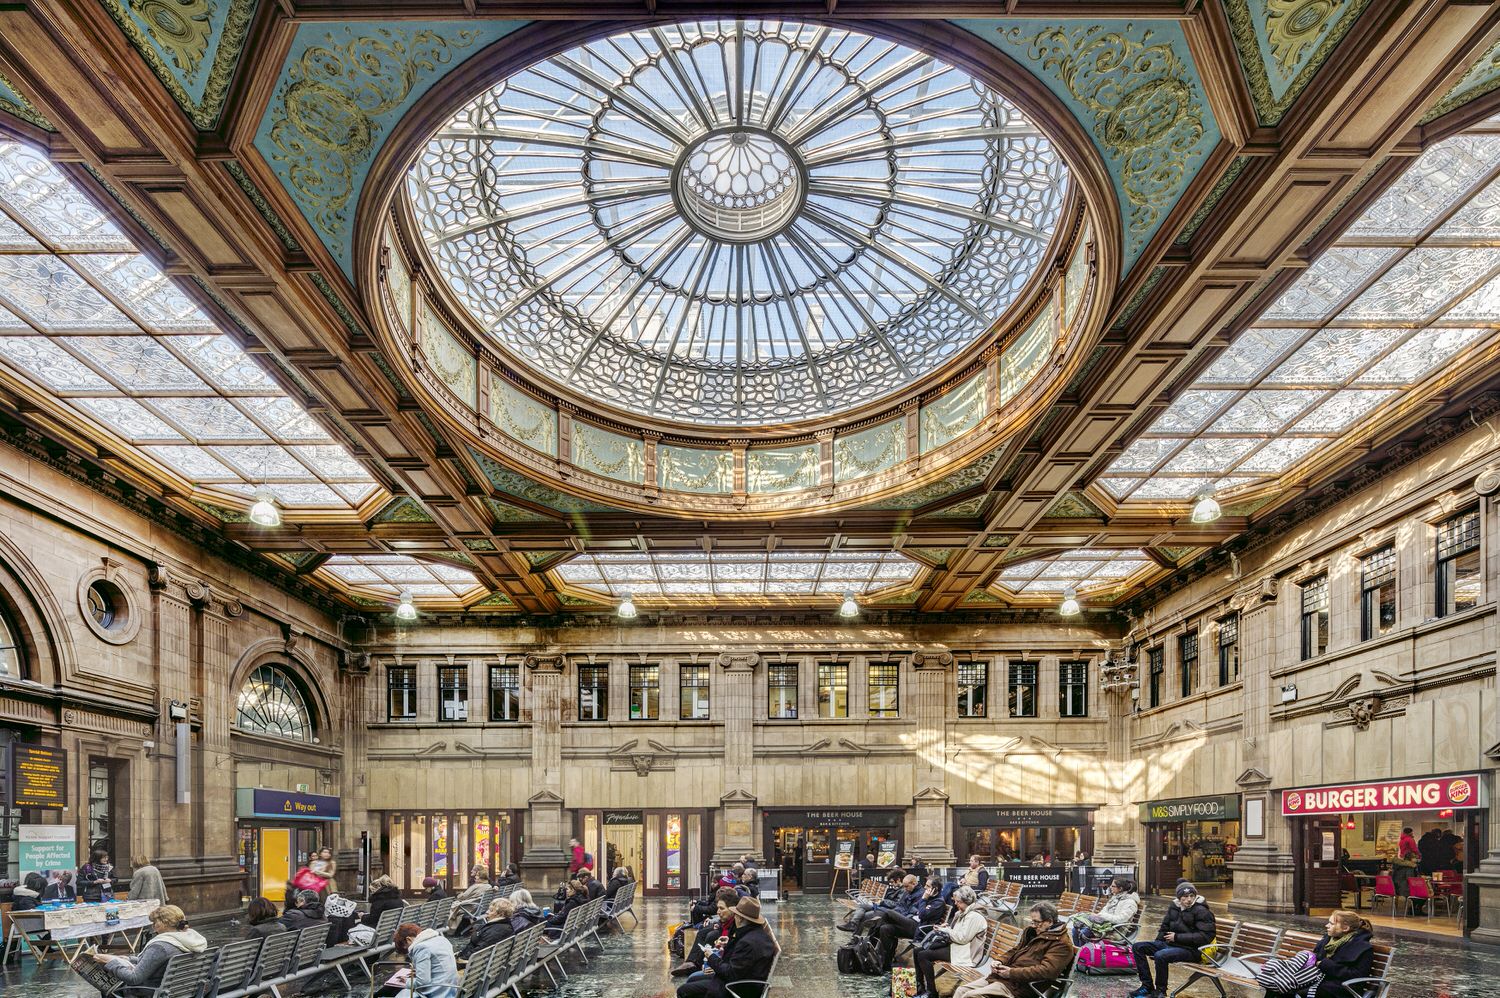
[[192, 46]]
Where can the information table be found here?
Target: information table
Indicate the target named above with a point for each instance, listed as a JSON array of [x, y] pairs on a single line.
[[65, 929]]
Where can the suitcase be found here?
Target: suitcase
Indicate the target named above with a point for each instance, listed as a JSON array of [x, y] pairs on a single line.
[[1102, 957]]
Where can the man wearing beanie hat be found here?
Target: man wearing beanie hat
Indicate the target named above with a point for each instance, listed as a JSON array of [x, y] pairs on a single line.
[[1187, 925], [745, 960]]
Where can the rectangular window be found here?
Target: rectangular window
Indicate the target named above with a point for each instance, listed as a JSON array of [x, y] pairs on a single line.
[[692, 692], [1377, 593], [101, 805], [973, 688], [1187, 647], [833, 690], [1229, 649], [781, 691], [453, 693], [401, 693], [1023, 679], [505, 693], [1314, 617], [593, 692], [645, 692], [884, 688], [1458, 563], [1073, 689], [1156, 660]]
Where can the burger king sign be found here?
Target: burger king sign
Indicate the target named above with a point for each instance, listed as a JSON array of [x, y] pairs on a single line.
[[1435, 794]]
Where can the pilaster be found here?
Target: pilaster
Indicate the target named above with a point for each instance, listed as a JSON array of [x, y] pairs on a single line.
[[735, 692]]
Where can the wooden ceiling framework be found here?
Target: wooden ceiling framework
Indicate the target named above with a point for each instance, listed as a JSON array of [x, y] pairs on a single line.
[[1294, 186]]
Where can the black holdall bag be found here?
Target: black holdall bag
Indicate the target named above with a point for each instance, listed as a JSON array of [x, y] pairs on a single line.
[[859, 956]]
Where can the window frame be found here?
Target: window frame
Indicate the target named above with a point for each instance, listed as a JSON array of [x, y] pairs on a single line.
[[598, 689], [1228, 648], [1156, 667], [1015, 686], [832, 670], [1076, 684], [446, 684], [886, 669], [1374, 578], [1187, 664], [497, 668], [644, 679], [981, 667], [12, 651], [1443, 586], [408, 689], [776, 676], [1313, 622], [684, 671]]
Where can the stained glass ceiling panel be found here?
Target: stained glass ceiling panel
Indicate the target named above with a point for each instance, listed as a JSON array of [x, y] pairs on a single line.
[[738, 222], [779, 575], [1408, 290], [1089, 571], [98, 325]]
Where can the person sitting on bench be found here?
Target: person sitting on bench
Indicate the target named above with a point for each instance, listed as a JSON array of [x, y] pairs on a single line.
[[1043, 956], [868, 914]]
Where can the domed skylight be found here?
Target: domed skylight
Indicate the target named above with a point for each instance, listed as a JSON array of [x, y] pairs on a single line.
[[738, 222]]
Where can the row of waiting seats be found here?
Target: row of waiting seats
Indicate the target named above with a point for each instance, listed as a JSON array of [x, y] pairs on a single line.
[[252, 967], [1240, 949]]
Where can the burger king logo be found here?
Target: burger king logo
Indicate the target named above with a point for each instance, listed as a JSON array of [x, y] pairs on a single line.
[[1459, 791], [1293, 800]]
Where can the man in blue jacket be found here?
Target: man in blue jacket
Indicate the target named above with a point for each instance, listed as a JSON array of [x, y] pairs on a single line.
[[870, 914], [928, 909]]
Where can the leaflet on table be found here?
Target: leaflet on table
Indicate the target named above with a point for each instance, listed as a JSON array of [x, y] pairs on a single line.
[[98, 914]]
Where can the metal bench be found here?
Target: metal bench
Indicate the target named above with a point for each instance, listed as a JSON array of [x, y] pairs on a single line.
[[623, 904], [741, 989], [1073, 903], [271, 963], [1250, 946], [233, 967]]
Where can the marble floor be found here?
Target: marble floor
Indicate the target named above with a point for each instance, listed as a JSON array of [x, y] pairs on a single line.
[[634, 964]]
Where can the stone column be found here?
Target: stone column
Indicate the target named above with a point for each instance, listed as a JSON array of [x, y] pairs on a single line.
[[932, 828], [547, 831], [1262, 866], [735, 696], [1117, 840], [1487, 877]]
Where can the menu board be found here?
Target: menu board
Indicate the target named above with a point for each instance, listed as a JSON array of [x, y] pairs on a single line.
[[38, 776]]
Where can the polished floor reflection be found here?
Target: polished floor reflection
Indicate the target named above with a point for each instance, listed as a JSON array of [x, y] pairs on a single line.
[[635, 963]]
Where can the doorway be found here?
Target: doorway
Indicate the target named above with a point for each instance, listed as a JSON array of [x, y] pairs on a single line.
[[270, 854], [787, 845]]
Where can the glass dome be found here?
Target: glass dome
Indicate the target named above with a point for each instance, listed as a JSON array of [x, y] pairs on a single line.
[[737, 223]]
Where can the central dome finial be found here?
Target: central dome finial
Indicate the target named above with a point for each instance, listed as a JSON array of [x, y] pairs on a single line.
[[739, 186]]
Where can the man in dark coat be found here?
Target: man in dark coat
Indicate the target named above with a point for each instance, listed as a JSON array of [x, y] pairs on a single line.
[[1187, 925], [620, 879], [1043, 956], [1430, 846], [384, 895], [303, 910], [747, 957]]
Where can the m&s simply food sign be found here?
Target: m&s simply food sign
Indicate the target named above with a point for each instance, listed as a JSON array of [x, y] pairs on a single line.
[[1431, 794]]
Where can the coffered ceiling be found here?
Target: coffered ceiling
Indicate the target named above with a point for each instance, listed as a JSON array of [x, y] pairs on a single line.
[[204, 238]]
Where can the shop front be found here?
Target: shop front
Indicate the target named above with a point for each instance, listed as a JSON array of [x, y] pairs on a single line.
[[1032, 845], [663, 849], [279, 831], [1193, 838], [1447, 816], [447, 845], [810, 845]]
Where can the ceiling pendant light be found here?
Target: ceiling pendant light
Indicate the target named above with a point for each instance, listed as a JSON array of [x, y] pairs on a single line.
[[1069, 607], [264, 510], [627, 609], [404, 609], [848, 608], [1206, 508]]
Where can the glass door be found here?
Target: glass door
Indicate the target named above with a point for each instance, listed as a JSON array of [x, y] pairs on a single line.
[[624, 845]]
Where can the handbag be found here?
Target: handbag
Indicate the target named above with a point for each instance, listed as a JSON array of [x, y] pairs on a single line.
[[306, 880], [1295, 975]]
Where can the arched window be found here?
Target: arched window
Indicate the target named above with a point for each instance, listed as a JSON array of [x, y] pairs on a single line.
[[272, 703], [10, 649]]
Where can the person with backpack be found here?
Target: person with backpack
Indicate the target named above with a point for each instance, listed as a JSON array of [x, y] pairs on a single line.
[[579, 859]]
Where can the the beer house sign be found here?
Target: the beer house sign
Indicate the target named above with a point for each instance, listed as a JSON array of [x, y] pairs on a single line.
[[1431, 794]]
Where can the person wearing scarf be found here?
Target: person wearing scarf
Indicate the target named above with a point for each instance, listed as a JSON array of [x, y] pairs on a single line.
[[1343, 954]]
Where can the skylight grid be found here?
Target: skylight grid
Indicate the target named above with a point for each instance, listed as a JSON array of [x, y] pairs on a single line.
[[97, 325], [729, 223], [388, 575], [1087, 571], [776, 575], [1412, 286]]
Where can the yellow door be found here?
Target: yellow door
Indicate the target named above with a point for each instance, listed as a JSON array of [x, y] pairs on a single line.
[[275, 862]]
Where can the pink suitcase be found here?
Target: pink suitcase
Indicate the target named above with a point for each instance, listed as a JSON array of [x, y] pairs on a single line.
[[1101, 957]]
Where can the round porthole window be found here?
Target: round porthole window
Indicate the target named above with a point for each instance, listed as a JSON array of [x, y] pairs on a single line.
[[107, 608]]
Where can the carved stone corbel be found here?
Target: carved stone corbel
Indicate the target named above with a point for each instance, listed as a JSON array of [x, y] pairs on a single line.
[[731, 660], [931, 659]]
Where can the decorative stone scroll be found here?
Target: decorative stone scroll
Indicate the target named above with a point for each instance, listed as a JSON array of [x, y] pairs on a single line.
[[931, 659], [738, 659], [548, 663]]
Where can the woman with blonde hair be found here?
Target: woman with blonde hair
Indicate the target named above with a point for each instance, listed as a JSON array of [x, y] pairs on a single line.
[[142, 972], [495, 928], [146, 883], [1343, 954]]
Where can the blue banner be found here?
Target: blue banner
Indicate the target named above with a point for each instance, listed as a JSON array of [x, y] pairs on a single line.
[[285, 804]]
